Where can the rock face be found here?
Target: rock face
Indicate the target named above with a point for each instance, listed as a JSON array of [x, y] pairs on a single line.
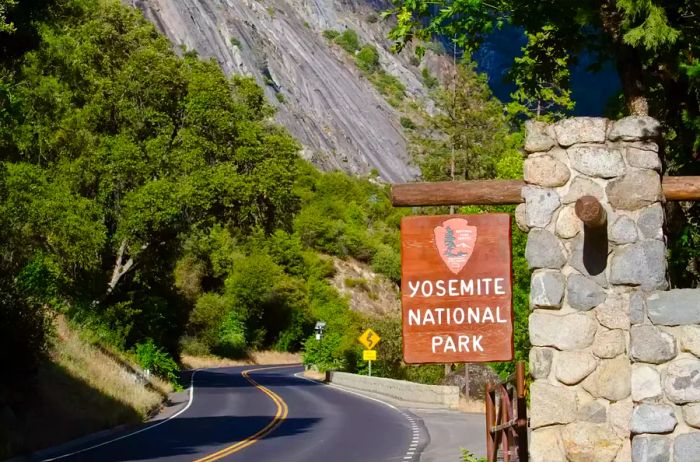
[[337, 115], [582, 293], [580, 130], [635, 128], [541, 204], [636, 189], [587, 442], [675, 307], [650, 345], [543, 250], [551, 405], [611, 380], [686, 448], [570, 332], [597, 161], [653, 418], [545, 171], [646, 383], [546, 289], [573, 366], [651, 448], [681, 381], [643, 263]]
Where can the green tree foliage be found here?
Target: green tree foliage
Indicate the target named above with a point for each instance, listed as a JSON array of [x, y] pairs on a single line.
[[467, 136], [5, 5], [653, 44], [114, 150]]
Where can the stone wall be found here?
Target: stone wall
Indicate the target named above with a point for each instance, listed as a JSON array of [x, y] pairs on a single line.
[[614, 355]]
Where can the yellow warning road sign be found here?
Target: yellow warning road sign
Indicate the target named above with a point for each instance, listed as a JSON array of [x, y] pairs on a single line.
[[369, 355], [369, 339]]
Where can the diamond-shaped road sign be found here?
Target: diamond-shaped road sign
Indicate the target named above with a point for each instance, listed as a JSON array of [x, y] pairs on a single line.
[[369, 339]]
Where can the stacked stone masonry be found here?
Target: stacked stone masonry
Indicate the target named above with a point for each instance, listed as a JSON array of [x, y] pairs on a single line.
[[614, 353]]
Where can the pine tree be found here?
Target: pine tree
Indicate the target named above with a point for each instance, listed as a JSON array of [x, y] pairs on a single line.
[[450, 243]]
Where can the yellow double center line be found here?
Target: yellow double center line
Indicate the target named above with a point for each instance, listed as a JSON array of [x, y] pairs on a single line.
[[279, 417]]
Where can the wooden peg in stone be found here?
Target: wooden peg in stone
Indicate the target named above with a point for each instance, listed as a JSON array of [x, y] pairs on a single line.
[[591, 212]]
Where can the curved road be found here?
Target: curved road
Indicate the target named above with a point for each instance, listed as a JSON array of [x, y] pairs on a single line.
[[265, 414]]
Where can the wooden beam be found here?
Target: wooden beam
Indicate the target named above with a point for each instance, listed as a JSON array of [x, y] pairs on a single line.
[[681, 188], [503, 192], [590, 211], [478, 192]]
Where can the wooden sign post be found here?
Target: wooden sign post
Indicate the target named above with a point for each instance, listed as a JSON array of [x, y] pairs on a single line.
[[456, 288]]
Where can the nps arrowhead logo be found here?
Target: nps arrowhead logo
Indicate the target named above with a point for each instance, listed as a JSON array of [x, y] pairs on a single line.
[[455, 240]]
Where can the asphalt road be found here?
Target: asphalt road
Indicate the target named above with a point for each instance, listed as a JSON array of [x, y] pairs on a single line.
[[265, 414]]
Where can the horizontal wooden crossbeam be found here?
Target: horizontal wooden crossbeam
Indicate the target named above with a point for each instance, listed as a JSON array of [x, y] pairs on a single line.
[[503, 192]]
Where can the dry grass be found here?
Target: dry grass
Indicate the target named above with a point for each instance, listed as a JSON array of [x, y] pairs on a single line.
[[107, 373], [80, 390], [255, 358], [315, 375]]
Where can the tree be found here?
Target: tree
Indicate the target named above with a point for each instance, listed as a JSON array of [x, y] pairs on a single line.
[[468, 133], [653, 44], [5, 5]]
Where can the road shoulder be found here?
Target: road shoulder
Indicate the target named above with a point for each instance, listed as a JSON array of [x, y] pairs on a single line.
[[444, 432]]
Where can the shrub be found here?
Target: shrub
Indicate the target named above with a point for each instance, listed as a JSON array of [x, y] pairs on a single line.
[[207, 316], [348, 41], [153, 358], [387, 261], [331, 34], [232, 339], [280, 97], [388, 85], [407, 123], [360, 283], [368, 59], [429, 80], [194, 346], [327, 353]]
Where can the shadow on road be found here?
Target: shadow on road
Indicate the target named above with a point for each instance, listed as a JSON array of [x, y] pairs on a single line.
[[187, 437], [211, 379]]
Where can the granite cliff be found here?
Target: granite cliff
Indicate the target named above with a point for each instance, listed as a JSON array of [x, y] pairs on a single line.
[[322, 97]]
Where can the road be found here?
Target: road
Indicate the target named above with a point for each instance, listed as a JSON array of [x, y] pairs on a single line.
[[264, 414]]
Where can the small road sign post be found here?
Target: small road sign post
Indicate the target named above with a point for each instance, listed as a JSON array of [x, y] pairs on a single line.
[[369, 339], [456, 288], [369, 356]]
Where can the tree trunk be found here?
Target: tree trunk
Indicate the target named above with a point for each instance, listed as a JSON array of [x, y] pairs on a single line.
[[121, 267], [631, 73], [629, 65]]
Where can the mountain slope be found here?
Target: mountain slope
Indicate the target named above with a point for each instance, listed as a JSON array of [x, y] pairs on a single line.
[[325, 102]]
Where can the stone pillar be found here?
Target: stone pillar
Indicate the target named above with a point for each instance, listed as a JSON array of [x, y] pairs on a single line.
[[588, 288]]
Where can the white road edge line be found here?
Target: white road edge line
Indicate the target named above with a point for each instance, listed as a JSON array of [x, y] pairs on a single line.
[[189, 403], [411, 452]]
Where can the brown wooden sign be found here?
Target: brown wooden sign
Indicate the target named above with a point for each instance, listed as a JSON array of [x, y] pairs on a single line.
[[456, 288]]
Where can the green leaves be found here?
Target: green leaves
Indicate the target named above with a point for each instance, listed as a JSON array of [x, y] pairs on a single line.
[[467, 136], [542, 76], [645, 25]]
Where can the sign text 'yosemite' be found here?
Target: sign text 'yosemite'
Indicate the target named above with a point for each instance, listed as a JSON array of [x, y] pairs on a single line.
[[456, 288]]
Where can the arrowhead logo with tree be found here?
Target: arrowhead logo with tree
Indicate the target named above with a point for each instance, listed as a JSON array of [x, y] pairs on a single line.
[[455, 240]]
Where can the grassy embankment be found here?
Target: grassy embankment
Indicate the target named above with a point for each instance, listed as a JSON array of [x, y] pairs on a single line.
[[81, 389], [84, 388]]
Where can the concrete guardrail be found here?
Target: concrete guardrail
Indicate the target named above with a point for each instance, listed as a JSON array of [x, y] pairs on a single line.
[[399, 390]]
